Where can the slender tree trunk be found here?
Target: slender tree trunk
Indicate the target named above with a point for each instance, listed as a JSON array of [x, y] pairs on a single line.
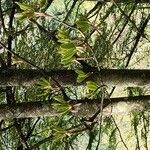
[[109, 77], [27, 110], [82, 108]]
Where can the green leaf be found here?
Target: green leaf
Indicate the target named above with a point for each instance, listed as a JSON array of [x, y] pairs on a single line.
[[81, 75], [68, 54], [42, 3], [59, 133], [44, 84], [59, 99], [67, 46], [64, 41], [23, 6], [24, 15], [61, 106], [62, 34], [59, 129], [67, 61], [67, 51], [134, 91], [91, 85], [83, 24], [20, 16]]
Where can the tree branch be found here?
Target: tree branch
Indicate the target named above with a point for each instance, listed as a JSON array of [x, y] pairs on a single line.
[[82, 108], [110, 77]]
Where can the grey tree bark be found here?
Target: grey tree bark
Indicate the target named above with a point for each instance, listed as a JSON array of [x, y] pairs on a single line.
[[82, 108], [109, 77]]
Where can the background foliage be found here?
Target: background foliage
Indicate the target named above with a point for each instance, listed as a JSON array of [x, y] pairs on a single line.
[[63, 35]]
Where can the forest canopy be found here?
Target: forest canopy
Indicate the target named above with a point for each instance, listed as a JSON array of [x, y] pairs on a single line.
[[74, 74]]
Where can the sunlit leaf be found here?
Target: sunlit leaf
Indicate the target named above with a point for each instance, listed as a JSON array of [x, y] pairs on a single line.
[[59, 129], [44, 84], [62, 34], [60, 105], [59, 99], [16, 61], [67, 51], [67, 46], [23, 6], [25, 15], [91, 85], [67, 61], [64, 40], [81, 75], [59, 134]]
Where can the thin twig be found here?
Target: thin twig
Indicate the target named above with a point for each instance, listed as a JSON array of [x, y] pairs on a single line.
[[38, 14], [131, 21], [138, 37], [145, 131], [126, 22], [119, 133], [31, 130]]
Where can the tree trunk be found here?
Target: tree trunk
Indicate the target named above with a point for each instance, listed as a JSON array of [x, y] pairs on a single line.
[[123, 1], [82, 108], [27, 110], [109, 77]]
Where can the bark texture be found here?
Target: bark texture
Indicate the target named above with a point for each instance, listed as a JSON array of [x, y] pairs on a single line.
[[115, 106], [109, 77], [84, 108], [27, 110]]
